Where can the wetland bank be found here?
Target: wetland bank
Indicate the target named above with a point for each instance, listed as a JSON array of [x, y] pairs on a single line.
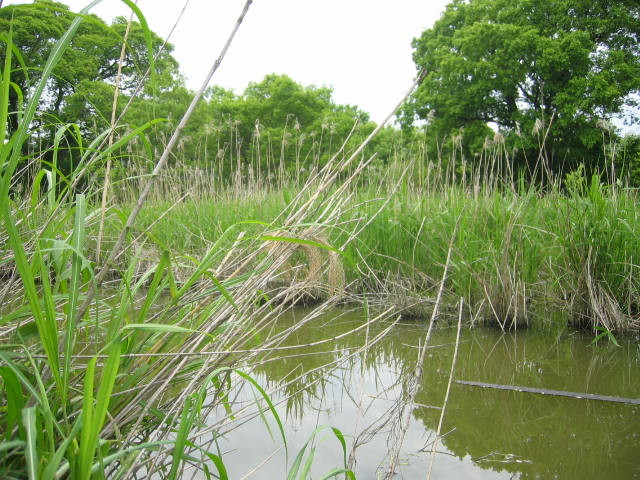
[[153, 273]]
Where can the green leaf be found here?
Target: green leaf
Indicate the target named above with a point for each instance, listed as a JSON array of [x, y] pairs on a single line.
[[46, 323], [31, 452], [49, 473], [217, 461], [15, 399], [158, 328], [186, 423]]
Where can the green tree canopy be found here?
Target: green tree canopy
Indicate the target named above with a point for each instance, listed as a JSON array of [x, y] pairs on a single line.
[[274, 124], [79, 81], [529, 68]]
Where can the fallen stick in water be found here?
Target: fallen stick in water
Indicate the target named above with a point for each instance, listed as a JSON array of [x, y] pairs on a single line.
[[558, 393]]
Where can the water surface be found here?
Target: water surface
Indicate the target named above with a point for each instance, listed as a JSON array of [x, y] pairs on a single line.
[[490, 434]]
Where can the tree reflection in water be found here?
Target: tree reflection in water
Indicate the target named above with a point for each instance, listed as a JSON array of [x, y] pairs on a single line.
[[492, 433]]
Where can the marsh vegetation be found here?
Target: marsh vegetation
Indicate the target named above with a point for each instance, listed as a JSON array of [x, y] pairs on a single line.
[[150, 268]]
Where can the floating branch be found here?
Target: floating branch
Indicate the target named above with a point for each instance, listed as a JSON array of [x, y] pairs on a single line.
[[557, 393]]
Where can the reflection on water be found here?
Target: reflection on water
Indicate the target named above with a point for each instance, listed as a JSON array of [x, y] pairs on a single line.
[[491, 433]]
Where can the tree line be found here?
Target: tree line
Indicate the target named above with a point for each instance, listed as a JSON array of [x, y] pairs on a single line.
[[543, 80]]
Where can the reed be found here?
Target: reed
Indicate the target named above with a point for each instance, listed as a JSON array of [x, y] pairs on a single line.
[[524, 249], [110, 366]]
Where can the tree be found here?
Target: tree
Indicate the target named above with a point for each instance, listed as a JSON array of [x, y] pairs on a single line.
[[274, 124], [532, 69], [80, 90]]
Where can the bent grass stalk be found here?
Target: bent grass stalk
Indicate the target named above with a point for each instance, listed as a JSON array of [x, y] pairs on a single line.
[[84, 406]]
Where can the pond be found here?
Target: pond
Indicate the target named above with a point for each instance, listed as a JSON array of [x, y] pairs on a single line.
[[487, 433]]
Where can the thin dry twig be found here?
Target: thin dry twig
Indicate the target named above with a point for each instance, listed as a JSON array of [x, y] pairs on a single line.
[[446, 395], [413, 382]]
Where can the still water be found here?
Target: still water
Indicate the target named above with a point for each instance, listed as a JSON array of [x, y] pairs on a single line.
[[488, 433]]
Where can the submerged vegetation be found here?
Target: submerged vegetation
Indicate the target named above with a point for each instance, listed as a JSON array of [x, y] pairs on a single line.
[[134, 296]]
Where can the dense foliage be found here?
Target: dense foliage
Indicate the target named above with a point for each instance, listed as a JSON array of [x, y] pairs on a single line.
[[275, 124], [547, 75], [80, 89]]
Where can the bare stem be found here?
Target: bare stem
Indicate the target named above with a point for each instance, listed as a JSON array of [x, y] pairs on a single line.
[[446, 395], [159, 166]]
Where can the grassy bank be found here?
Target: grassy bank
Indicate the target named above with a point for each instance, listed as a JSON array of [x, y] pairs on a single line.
[[518, 254]]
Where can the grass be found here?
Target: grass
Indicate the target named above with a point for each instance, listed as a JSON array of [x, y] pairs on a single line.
[[110, 364], [116, 378], [519, 253]]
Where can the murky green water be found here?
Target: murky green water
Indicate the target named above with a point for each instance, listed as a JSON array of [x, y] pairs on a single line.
[[491, 433]]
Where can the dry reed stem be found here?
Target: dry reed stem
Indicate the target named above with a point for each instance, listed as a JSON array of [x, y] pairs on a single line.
[[241, 319], [97, 281], [446, 395], [114, 106], [413, 382], [328, 175]]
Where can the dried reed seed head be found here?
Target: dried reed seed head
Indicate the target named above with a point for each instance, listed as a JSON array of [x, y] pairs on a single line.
[[537, 126], [315, 261], [604, 125], [335, 273], [316, 256]]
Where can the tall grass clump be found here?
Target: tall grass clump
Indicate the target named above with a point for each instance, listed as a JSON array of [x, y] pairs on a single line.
[[109, 366], [552, 254]]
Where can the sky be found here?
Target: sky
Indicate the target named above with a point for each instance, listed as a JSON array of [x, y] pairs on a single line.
[[360, 48]]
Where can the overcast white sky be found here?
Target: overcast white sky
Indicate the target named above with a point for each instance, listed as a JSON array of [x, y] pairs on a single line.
[[361, 48]]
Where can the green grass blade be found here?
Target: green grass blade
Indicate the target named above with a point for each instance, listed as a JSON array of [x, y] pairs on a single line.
[[295, 466], [99, 466], [77, 244], [209, 258], [217, 461], [163, 265], [186, 422], [87, 444], [269, 403], [307, 465], [31, 452], [107, 382], [47, 328], [49, 473], [20, 376], [338, 471], [306, 468], [158, 328], [4, 89], [15, 399], [343, 443], [4, 446], [35, 187], [147, 38], [120, 143]]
